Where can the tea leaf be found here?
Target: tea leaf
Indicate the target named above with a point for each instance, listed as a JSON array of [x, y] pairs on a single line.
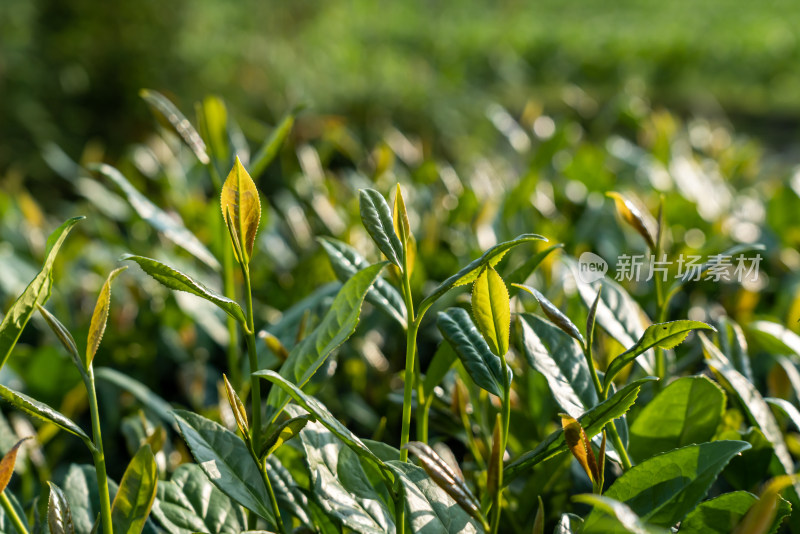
[[521, 273], [559, 357], [447, 479], [686, 411], [592, 422], [733, 344], [174, 279], [538, 521], [335, 328], [267, 152], [358, 506], [377, 219], [321, 413], [760, 519], [165, 108], [492, 474], [492, 311], [289, 495], [37, 292], [469, 273], [402, 228], [65, 337], [238, 409], [720, 515], [568, 524], [189, 503], [346, 261], [43, 412], [226, 461], [212, 116], [285, 431], [172, 228], [631, 215], [59, 515], [663, 489], [621, 512], [580, 446], [241, 209], [429, 509], [483, 366], [555, 315], [7, 464], [440, 365], [664, 335], [136, 493], [100, 317]]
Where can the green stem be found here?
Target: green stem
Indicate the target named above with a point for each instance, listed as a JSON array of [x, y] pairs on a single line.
[[620, 448], [273, 500], [233, 333], [12, 514], [411, 354], [503, 444], [99, 456], [255, 383]]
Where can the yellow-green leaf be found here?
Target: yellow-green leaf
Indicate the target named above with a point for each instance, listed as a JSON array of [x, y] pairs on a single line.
[[7, 464], [492, 310], [136, 493], [578, 442], [400, 217], [239, 412], [241, 209], [631, 215], [100, 317], [760, 517]]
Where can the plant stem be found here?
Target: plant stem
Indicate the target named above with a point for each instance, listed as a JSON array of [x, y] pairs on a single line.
[[620, 448], [411, 353], [255, 383], [503, 443], [273, 500], [12, 514], [233, 333], [99, 456]]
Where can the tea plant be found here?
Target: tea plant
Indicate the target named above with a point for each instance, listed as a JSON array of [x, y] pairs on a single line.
[[523, 422]]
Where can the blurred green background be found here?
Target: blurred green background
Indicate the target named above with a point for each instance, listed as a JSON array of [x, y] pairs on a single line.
[[497, 118]]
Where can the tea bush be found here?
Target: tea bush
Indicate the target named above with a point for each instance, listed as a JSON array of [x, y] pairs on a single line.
[[322, 333]]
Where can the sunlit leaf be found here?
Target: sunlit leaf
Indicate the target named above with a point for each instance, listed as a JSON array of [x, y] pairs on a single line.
[[624, 516], [7, 464], [237, 407], [166, 109], [59, 515], [631, 215], [555, 315], [267, 152], [760, 519], [580, 446], [377, 219], [136, 493], [492, 311], [720, 515], [100, 317], [285, 431], [174, 279], [402, 228], [241, 209]]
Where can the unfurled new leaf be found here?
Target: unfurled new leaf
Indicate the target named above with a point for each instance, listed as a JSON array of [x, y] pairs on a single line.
[[237, 407], [99, 318], [59, 515], [631, 215], [174, 279], [7, 464], [241, 209], [377, 219], [492, 311], [555, 315], [446, 478], [136, 493]]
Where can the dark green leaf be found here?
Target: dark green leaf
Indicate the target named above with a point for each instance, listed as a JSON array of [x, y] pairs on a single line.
[[733, 344], [361, 510], [622, 518], [663, 489], [226, 461], [43, 412], [80, 488], [37, 292], [321, 413], [66, 339], [592, 422], [136, 493], [720, 515], [335, 328], [469, 273], [429, 509], [377, 219], [289, 495], [686, 411], [189, 503], [285, 431], [663, 335], [172, 228], [167, 110], [174, 279], [481, 363], [346, 262], [556, 315], [59, 515]]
